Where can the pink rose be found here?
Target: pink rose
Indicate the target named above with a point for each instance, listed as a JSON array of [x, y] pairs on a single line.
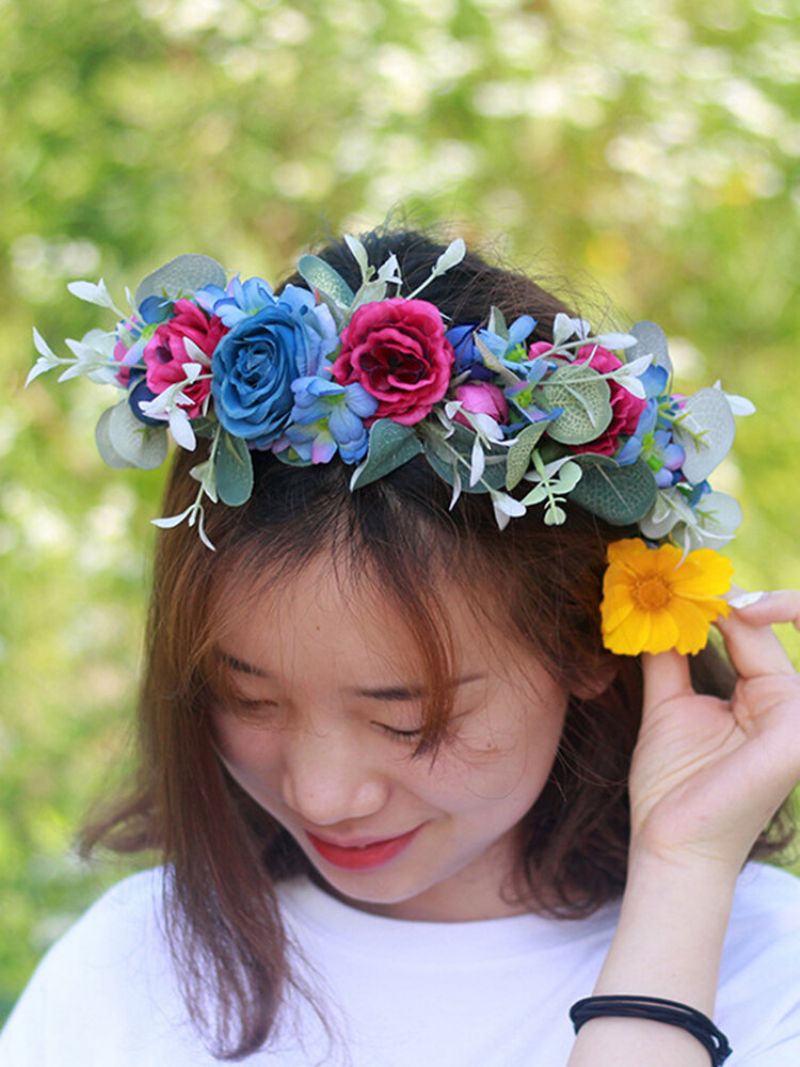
[[481, 398], [165, 352], [396, 350], [625, 406]]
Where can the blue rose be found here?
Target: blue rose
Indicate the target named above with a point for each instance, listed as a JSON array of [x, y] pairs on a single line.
[[253, 368]]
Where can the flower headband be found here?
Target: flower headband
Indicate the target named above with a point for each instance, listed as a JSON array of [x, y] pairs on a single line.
[[380, 379]]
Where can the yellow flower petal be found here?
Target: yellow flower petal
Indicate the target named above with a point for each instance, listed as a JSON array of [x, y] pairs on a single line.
[[627, 553], [616, 606], [664, 632], [692, 625], [705, 573], [630, 637]]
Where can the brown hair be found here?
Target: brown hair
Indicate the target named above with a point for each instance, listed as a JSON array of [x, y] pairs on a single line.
[[224, 853]]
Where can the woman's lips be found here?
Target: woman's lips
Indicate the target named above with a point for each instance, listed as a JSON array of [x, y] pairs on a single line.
[[361, 857]]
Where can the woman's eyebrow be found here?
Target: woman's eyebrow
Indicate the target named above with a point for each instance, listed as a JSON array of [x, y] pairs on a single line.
[[392, 692], [415, 692], [240, 665]]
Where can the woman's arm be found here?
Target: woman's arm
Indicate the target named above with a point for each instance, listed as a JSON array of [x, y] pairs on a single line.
[[707, 775]]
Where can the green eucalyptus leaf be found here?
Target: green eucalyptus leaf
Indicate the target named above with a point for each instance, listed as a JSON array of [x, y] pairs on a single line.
[[620, 495], [138, 444], [705, 429], [651, 341], [585, 397], [567, 477], [519, 455], [182, 276], [204, 427], [321, 275], [108, 453], [233, 470], [390, 446]]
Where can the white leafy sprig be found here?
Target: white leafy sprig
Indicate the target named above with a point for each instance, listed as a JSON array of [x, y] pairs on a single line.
[[92, 357], [475, 466], [205, 474], [487, 433], [506, 507], [450, 258], [739, 405], [170, 405], [95, 293]]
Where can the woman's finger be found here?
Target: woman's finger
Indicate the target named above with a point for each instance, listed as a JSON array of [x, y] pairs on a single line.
[[666, 675], [752, 645], [782, 605]]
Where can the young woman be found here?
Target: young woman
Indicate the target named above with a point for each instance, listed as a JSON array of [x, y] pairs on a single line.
[[422, 756]]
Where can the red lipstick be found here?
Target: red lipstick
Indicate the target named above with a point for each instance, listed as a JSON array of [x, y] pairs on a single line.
[[362, 857]]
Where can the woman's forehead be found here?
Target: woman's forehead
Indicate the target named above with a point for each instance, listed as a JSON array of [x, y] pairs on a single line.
[[332, 613]]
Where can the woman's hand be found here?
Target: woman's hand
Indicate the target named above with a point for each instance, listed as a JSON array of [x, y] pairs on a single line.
[[708, 774]]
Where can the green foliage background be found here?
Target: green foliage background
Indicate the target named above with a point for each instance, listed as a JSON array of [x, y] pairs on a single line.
[[650, 152]]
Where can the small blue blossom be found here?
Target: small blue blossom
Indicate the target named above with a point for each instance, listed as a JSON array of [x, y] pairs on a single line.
[[520, 396], [655, 416], [327, 416], [155, 310], [468, 356], [697, 493], [237, 301]]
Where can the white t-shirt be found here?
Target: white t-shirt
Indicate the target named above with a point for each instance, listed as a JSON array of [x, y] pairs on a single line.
[[397, 994]]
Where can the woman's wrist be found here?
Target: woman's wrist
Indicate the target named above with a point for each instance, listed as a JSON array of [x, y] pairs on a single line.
[[672, 925], [668, 943]]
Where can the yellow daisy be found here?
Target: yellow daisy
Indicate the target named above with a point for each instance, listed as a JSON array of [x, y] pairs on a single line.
[[655, 599]]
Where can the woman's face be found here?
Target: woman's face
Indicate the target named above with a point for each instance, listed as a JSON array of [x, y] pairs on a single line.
[[325, 737]]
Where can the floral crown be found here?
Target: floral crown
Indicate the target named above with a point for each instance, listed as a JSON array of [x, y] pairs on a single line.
[[378, 379]]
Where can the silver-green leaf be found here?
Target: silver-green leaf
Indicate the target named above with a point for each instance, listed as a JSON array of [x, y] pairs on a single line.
[[519, 454], [585, 397], [233, 470], [650, 340], [121, 437], [390, 446], [182, 276], [620, 495], [321, 275], [705, 430]]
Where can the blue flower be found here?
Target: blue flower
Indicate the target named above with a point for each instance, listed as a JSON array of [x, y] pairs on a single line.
[[253, 368], [237, 301], [462, 338], [327, 416], [642, 441], [155, 310], [468, 357]]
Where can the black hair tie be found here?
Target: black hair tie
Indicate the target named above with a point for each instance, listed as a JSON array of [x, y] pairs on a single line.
[[658, 1010]]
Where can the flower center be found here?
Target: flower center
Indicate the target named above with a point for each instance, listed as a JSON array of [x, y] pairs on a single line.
[[652, 594]]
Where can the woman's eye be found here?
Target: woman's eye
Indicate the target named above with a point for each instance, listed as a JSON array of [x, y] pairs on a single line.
[[400, 735], [251, 709]]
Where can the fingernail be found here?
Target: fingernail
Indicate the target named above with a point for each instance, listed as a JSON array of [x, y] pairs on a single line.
[[745, 600]]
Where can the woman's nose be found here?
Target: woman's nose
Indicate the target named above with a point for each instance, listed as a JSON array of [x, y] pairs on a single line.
[[328, 778]]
